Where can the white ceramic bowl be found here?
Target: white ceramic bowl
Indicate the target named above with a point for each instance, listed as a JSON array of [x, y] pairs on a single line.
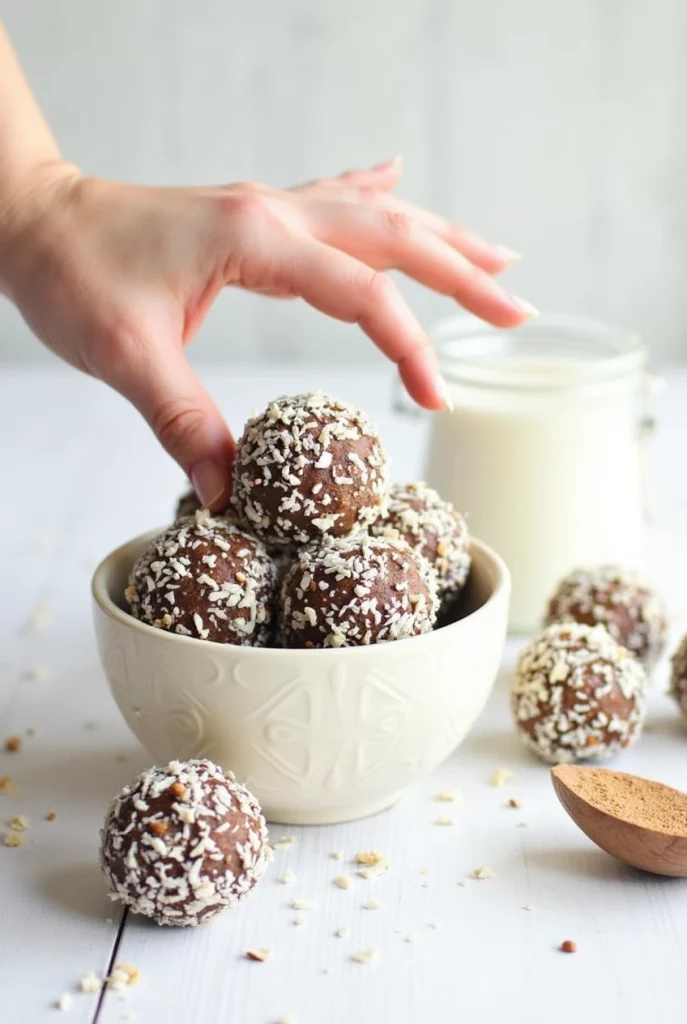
[[319, 736]]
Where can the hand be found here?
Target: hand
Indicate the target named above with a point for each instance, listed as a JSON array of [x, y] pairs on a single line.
[[117, 279]]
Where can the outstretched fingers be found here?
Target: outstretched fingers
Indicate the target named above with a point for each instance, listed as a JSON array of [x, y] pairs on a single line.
[[385, 239], [345, 288], [492, 258]]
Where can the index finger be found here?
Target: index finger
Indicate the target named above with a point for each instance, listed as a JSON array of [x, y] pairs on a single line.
[[348, 290]]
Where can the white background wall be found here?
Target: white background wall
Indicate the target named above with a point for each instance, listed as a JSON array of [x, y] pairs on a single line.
[[558, 127]]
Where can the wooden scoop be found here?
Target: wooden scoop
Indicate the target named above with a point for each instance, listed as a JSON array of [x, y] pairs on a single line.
[[641, 822]]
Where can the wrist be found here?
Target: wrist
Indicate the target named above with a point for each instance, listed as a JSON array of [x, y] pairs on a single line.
[[25, 205]]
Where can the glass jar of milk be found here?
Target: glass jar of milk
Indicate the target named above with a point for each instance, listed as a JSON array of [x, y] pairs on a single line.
[[543, 450]]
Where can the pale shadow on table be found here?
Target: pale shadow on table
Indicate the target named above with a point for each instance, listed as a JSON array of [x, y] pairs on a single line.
[[590, 862], [79, 889], [499, 746], [664, 724], [98, 774]]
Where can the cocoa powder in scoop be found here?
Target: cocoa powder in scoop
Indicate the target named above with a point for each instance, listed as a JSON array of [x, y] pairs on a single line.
[[635, 800]]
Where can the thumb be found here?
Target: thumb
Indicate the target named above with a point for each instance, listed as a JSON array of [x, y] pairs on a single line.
[[186, 422]]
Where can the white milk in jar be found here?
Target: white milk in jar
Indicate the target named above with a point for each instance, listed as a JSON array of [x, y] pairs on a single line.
[[543, 449]]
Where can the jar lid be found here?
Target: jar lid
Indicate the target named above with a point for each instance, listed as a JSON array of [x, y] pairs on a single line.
[[551, 353]]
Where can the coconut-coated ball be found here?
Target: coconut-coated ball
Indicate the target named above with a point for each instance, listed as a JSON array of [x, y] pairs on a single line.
[[678, 676], [432, 526], [308, 467], [189, 503], [617, 598], [182, 842], [354, 591], [204, 577], [578, 695]]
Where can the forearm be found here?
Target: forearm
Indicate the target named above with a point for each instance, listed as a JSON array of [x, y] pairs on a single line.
[[25, 138], [30, 159]]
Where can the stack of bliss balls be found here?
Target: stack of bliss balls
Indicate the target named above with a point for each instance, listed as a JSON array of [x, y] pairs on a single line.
[[315, 550]]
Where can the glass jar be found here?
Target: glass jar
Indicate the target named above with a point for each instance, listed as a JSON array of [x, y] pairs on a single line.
[[543, 449]]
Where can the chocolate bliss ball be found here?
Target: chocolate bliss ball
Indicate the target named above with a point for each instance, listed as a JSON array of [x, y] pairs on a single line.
[[678, 676], [417, 515], [354, 591], [309, 467], [183, 842], [206, 578], [577, 694], [617, 598]]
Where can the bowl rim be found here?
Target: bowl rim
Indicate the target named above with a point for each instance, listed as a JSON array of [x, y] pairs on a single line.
[[107, 606]]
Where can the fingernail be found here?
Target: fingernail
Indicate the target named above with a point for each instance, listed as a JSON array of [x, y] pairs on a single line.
[[523, 306], [210, 482], [509, 255], [386, 165], [444, 393]]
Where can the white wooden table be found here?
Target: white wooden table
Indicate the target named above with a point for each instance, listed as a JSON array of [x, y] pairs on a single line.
[[81, 474]]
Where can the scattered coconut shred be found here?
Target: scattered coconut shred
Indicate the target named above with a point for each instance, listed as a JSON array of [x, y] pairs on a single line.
[[500, 777], [302, 904], [483, 873], [285, 843], [373, 864], [122, 976], [366, 956], [38, 618], [36, 672]]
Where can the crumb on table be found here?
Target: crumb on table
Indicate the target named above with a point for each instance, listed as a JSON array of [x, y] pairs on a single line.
[[366, 956], [483, 872], [260, 954], [123, 975], [500, 777]]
